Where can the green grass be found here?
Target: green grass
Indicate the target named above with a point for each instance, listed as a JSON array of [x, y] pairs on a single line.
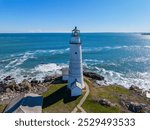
[[57, 100], [2, 107], [111, 93], [91, 106]]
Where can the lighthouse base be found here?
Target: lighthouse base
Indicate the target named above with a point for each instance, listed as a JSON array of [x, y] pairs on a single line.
[[75, 88], [76, 92]]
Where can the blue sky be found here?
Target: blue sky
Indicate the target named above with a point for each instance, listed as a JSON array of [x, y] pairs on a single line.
[[63, 15]]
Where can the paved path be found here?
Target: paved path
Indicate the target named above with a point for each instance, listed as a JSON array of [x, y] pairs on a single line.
[[82, 100]]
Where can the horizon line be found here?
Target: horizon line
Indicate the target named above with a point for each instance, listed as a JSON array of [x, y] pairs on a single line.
[[81, 32]]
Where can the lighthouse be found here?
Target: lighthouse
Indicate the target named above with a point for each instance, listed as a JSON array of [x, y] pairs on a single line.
[[75, 79]]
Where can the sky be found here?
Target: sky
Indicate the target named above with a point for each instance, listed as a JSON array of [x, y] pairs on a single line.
[[63, 15]]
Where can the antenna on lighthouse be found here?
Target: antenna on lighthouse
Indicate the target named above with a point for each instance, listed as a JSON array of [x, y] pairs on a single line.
[[75, 32]]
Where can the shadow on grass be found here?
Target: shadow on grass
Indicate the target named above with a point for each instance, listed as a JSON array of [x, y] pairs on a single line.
[[62, 93]]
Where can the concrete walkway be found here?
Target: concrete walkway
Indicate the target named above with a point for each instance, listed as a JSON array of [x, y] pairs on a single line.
[[82, 100]]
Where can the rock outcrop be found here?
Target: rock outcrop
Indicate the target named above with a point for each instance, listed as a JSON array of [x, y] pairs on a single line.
[[137, 107], [133, 106], [93, 75], [26, 85], [8, 78], [105, 102], [138, 90], [11, 85]]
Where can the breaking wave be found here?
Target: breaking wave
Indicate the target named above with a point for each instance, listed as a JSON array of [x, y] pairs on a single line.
[[15, 60], [19, 60], [111, 77], [47, 68], [107, 48], [38, 72], [138, 79], [12, 66]]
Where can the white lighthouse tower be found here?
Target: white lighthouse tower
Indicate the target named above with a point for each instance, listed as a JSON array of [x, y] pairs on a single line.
[[75, 80]]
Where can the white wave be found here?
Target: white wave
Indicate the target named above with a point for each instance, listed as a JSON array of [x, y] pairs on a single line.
[[142, 59], [19, 60], [138, 79], [96, 49], [147, 47], [53, 52], [5, 60], [43, 70], [93, 60], [17, 74], [47, 67], [38, 73], [145, 36]]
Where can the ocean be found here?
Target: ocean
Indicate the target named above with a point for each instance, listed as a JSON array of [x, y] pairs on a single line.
[[122, 58]]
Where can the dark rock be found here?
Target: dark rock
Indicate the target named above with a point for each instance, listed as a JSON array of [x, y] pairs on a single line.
[[25, 85], [48, 79], [93, 75], [2, 84], [8, 78], [17, 87], [106, 102], [11, 85], [136, 107], [134, 88], [8, 90], [137, 90], [34, 81], [1, 89], [124, 101], [58, 80]]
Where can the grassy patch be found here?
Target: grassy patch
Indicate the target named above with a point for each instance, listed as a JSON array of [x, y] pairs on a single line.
[[111, 93], [94, 107], [114, 94], [2, 107], [57, 99]]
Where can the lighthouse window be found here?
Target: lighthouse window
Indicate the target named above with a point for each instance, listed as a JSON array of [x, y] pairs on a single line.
[[75, 52]]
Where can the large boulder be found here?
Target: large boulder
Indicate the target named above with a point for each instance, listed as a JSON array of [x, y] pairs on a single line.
[[105, 102], [135, 88], [17, 87], [34, 81], [8, 90], [1, 89], [8, 78], [136, 107], [48, 79], [101, 82], [11, 85], [25, 85], [93, 75], [138, 90]]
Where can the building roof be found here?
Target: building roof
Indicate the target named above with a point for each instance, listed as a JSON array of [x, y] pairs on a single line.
[[27, 103], [76, 84]]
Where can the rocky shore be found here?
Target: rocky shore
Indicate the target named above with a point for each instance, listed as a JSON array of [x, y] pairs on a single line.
[[134, 101], [9, 89], [127, 100]]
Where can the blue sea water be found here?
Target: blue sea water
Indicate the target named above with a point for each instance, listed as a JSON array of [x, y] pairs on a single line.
[[122, 58]]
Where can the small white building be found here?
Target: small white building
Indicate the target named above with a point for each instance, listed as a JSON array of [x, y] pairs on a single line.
[[75, 64], [65, 72]]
